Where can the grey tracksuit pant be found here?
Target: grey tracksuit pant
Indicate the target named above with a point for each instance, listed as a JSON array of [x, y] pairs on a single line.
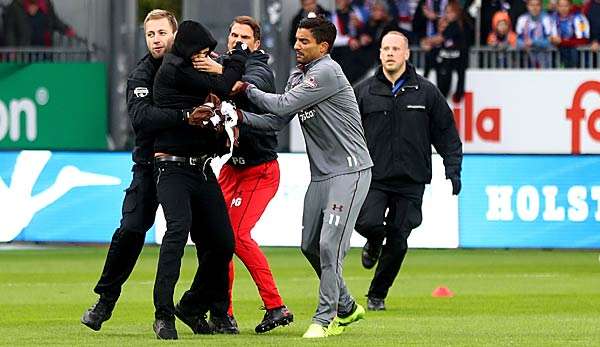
[[331, 208]]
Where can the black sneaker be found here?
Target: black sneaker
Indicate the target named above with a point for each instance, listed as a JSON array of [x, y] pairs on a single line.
[[196, 322], [274, 318], [98, 314], [165, 329], [375, 304], [223, 324], [370, 253]]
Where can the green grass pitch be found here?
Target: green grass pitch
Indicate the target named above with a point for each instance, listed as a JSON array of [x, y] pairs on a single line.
[[516, 297]]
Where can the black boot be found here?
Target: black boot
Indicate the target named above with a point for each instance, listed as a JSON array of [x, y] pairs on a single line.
[[196, 322], [274, 318], [98, 313], [370, 253], [375, 304], [165, 329], [223, 324]]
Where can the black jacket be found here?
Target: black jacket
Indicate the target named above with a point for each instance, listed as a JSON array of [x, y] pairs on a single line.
[[401, 129], [177, 85], [146, 119], [255, 146]]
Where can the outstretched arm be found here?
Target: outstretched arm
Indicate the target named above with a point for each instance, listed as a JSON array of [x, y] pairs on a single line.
[[317, 86]]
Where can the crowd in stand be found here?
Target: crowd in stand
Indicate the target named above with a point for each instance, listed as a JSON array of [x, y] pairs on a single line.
[[31, 23], [445, 29]]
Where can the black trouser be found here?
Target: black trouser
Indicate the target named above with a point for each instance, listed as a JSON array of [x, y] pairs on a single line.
[[443, 74], [193, 204], [139, 210], [403, 216]]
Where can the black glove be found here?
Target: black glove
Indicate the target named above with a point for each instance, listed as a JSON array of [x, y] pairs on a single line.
[[240, 50], [456, 185]]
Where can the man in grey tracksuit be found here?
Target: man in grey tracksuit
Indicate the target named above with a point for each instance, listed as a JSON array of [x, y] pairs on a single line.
[[320, 95]]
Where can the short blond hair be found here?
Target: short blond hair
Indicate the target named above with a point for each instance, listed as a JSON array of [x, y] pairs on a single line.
[[159, 14]]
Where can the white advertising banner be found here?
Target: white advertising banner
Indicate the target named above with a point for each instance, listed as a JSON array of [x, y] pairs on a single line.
[[281, 224], [523, 111], [545, 111]]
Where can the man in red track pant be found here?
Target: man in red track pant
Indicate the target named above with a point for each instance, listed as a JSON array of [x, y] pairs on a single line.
[[250, 179]]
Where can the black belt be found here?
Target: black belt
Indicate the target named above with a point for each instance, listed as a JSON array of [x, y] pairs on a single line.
[[192, 161]]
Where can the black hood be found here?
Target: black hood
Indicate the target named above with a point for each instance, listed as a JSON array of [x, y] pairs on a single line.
[[191, 38]]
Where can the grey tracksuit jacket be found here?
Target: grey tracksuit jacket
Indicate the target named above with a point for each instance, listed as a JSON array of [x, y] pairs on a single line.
[[320, 95]]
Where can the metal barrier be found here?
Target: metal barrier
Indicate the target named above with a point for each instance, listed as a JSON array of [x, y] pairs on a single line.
[[511, 58], [65, 49]]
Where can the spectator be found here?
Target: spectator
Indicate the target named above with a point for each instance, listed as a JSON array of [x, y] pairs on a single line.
[[377, 25], [502, 36], [453, 51], [592, 12], [32, 23], [308, 6], [402, 12], [489, 8], [571, 30], [425, 26], [533, 34], [349, 23]]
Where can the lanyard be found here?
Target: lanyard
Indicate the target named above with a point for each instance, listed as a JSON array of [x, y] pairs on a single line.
[[397, 86]]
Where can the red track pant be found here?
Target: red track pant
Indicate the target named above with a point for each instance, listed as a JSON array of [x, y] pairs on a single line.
[[247, 192]]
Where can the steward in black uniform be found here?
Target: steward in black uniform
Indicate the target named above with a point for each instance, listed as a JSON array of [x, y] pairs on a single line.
[[401, 122], [187, 188], [140, 203]]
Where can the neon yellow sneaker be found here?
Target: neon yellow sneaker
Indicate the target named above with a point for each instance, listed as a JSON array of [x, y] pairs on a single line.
[[355, 316], [315, 331], [334, 328]]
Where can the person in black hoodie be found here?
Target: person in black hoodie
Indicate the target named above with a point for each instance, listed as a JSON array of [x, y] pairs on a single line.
[[187, 189], [140, 203], [250, 178], [403, 114]]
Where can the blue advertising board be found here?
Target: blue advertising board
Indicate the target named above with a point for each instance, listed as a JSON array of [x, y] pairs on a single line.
[[62, 196], [530, 201], [507, 201]]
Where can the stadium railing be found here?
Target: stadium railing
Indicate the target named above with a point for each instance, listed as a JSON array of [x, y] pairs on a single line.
[[494, 58], [65, 49]]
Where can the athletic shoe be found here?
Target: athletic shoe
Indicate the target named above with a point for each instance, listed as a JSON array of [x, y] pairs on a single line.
[[375, 304], [223, 324], [357, 313], [334, 328], [274, 318], [196, 322], [165, 329], [315, 331], [370, 253], [99, 313]]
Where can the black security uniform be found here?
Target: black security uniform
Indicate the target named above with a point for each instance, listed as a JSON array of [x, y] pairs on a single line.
[[188, 190], [400, 130], [140, 203]]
